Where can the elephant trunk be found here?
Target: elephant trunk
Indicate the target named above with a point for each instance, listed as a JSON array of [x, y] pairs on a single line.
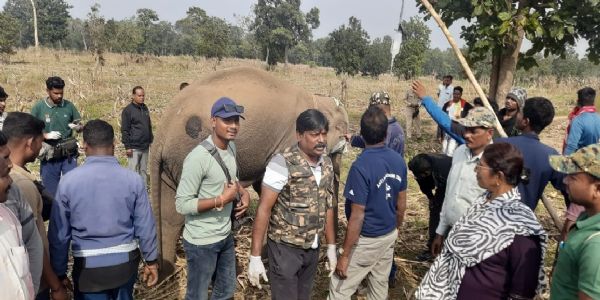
[[155, 185]]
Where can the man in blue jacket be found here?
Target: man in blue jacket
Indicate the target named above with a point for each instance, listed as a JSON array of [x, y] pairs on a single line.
[[102, 210]]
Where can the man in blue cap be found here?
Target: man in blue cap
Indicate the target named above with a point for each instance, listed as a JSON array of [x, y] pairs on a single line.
[[206, 194]]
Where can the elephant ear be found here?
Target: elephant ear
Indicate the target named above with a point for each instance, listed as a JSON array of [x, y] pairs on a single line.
[[193, 127]]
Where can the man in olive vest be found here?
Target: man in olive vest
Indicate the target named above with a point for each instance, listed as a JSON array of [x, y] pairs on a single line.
[[296, 204]]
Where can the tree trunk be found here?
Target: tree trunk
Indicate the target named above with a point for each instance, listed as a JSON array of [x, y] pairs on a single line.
[[35, 26], [267, 56], [285, 54]]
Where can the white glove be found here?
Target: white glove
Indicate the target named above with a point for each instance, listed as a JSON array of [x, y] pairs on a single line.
[[72, 125], [256, 269], [332, 258], [53, 135]]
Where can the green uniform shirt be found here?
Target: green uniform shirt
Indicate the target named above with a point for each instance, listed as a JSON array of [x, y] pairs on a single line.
[[578, 265], [56, 117], [203, 178]]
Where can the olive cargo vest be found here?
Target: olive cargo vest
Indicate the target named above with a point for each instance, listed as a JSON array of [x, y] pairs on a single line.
[[300, 211]]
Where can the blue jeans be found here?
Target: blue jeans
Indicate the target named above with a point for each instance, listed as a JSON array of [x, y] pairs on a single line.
[[205, 260], [124, 292], [51, 172]]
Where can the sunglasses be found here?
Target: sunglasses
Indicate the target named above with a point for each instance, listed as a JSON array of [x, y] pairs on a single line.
[[233, 108]]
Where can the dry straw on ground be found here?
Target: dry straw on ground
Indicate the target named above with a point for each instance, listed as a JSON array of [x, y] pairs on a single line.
[[102, 91]]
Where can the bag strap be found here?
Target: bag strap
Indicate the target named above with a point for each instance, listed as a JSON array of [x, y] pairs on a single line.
[[215, 154]]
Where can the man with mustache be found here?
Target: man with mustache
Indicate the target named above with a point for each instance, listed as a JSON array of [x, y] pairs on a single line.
[[3, 97], [205, 196], [296, 206], [462, 188]]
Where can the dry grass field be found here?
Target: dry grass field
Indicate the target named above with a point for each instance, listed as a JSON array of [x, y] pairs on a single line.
[[102, 91]]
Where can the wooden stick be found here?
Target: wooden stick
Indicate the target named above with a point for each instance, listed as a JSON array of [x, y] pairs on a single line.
[[467, 69]]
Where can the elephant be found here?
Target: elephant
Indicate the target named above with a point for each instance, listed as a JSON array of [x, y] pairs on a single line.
[[271, 108]]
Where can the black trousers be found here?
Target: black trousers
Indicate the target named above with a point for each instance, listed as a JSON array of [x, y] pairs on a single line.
[[291, 271], [435, 208]]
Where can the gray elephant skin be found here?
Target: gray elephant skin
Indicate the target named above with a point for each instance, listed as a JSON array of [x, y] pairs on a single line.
[[271, 107]]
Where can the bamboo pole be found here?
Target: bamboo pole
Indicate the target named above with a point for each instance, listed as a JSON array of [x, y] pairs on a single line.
[[467, 69]]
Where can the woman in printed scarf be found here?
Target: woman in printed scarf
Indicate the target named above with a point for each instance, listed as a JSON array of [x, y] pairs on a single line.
[[496, 250]]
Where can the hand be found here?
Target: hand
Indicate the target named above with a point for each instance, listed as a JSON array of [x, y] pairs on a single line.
[[244, 202], [229, 192], [419, 89], [59, 294], [150, 275], [341, 269], [436, 245], [332, 259], [75, 126], [52, 135], [129, 152], [256, 269]]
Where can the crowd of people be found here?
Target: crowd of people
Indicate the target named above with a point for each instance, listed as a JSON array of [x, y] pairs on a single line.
[[484, 240]]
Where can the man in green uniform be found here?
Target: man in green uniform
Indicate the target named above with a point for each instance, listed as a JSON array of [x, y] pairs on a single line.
[[577, 272], [61, 118]]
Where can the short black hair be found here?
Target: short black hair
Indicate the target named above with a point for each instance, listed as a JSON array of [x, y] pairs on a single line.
[[183, 85], [3, 94], [448, 76], [3, 139], [311, 120], [55, 82], [540, 113], [586, 96], [135, 88], [458, 88], [98, 133], [373, 125], [19, 125]]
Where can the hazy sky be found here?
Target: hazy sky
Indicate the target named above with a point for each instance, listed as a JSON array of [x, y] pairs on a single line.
[[378, 17]]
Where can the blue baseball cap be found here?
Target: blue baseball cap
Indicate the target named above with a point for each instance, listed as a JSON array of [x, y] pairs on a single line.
[[225, 108]]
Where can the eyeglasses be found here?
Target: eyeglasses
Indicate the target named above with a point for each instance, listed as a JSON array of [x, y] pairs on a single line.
[[233, 108], [480, 166]]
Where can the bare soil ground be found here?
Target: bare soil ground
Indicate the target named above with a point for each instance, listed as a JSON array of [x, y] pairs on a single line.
[[102, 91]]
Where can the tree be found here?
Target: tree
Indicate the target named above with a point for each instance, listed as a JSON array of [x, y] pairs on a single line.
[[21, 11], [408, 63], [208, 36], [9, 35], [347, 46], [566, 66], [377, 57], [53, 19], [498, 27], [440, 63], [280, 25], [94, 29], [146, 19]]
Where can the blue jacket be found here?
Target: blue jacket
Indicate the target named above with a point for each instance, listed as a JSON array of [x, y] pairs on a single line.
[[442, 119], [585, 130], [101, 209], [394, 138], [536, 159]]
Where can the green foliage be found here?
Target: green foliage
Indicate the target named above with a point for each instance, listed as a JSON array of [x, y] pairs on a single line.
[[53, 19], [209, 36], [408, 63], [347, 46], [441, 63], [377, 59], [549, 25], [9, 35], [279, 25], [21, 11]]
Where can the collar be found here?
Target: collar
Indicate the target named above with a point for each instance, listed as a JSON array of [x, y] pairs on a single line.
[[23, 172], [51, 104], [531, 135], [101, 159], [588, 222], [303, 155], [512, 195], [392, 120], [137, 105]]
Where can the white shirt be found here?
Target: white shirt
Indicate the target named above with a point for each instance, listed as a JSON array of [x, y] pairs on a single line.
[[462, 188], [276, 177], [444, 94]]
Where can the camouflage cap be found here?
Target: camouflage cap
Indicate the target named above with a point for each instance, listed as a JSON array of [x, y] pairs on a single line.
[[586, 160], [479, 117], [381, 97]]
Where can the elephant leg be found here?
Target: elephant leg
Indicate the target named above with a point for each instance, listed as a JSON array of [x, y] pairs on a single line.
[[172, 223]]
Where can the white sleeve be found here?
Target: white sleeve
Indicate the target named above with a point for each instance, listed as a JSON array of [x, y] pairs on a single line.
[[276, 174]]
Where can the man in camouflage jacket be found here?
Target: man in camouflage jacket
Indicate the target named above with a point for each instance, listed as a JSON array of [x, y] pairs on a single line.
[[296, 203]]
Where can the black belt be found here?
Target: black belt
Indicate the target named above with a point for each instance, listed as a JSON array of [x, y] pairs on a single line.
[[92, 280]]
